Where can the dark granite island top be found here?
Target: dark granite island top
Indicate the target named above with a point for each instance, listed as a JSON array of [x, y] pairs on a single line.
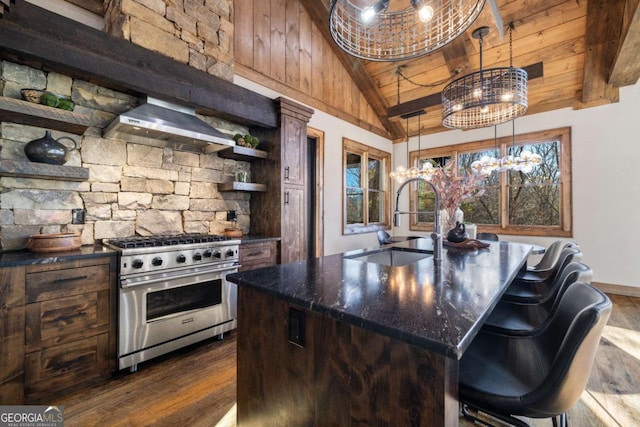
[[438, 309], [340, 341]]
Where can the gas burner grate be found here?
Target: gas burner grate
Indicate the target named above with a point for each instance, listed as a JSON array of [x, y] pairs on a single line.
[[168, 240]]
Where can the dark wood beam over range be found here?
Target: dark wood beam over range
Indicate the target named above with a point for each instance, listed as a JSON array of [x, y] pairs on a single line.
[[35, 36], [534, 71]]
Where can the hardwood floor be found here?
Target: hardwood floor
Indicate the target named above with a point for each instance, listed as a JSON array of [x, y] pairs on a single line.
[[196, 386]]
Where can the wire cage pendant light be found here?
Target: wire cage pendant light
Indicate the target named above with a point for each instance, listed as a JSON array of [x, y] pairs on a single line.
[[394, 30], [486, 97]]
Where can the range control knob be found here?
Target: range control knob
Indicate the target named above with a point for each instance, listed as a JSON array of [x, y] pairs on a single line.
[[229, 253], [181, 259], [137, 263], [217, 254], [197, 256], [157, 261], [207, 253]]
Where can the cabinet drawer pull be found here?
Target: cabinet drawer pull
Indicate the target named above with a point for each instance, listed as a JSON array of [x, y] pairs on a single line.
[[67, 317], [71, 279], [286, 172], [286, 197]]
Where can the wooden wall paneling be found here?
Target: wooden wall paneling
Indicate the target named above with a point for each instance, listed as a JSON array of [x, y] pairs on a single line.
[[292, 38], [12, 335], [338, 88], [243, 32], [262, 37], [278, 40], [317, 57], [306, 50]]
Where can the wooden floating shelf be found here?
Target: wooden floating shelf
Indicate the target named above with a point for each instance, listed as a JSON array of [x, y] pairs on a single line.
[[28, 113], [43, 171], [244, 154], [242, 186]]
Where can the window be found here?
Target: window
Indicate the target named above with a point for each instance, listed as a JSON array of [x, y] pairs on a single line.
[[366, 188], [536, 203]]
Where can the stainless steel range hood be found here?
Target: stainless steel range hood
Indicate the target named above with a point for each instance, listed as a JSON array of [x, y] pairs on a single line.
[[164, 124]]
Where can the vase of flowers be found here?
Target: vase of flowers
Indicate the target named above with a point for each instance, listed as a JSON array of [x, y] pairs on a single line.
[[453, 190]]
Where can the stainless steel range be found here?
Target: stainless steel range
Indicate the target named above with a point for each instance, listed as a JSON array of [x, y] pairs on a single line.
[[173, 293]]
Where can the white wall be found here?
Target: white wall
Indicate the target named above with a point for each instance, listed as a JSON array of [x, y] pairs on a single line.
[[334, 130], [605, 147]]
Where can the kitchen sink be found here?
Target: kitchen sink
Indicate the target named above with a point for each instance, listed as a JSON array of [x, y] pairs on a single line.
[[392, 257]]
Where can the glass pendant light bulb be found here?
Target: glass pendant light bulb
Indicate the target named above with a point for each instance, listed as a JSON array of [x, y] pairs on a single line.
[[425, 14], [367, 14]]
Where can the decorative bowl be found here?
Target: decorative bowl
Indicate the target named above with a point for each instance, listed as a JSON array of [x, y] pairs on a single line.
[[31, 95], [47, 98], [55, 242], [233, 232]]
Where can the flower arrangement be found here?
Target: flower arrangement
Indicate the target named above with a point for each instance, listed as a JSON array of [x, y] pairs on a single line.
[[455, 189]]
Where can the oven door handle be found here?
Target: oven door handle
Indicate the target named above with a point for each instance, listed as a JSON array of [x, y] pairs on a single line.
[[142, 281]]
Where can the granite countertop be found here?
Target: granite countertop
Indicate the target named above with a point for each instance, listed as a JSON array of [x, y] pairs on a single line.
[[439, 309], [25, 257], [249, 238]]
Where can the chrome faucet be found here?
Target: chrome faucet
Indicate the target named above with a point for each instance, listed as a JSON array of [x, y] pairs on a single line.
[[436, 236]]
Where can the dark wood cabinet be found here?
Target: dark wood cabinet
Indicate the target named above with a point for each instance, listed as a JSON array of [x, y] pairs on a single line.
[[258, 254], [12, 335], [63, 328], [294, 155], [282, 211]]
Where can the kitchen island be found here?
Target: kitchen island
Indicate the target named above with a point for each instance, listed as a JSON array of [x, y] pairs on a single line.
[[347, 340]]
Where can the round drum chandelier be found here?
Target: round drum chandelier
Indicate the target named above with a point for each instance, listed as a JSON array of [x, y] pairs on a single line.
[[486, 97], [394, 30]]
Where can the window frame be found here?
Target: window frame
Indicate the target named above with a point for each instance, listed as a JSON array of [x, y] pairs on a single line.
[[365, 151], [563, 135]]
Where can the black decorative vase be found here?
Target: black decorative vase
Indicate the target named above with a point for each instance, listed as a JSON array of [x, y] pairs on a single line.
[[457, 234], [48, 150]]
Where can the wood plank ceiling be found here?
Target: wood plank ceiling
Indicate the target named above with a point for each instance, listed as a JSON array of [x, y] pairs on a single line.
[[581, 52]]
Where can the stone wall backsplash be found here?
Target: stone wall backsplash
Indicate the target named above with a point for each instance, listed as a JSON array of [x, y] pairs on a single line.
[[132, 189], [194, 32]]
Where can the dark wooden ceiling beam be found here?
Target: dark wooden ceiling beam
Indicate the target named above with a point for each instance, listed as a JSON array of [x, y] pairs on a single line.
[[534, 71], [626, 67], [93, 6], [603, 29], [319, 13], [455, 55], [35, 36]]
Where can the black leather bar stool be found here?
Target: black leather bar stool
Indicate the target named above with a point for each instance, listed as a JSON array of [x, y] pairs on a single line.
[[540, 375], [525, 319], [487, 236], [551, 255], [534, 291]]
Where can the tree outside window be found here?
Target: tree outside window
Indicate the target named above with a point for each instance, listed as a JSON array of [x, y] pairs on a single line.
[[366, 188], [514, 202]]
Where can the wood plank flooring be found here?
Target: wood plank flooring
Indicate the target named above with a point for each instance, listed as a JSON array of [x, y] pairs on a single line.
[[196, 386]]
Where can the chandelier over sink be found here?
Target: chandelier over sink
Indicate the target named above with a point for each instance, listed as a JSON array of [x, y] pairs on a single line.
[[486, 97], [394, 30]]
